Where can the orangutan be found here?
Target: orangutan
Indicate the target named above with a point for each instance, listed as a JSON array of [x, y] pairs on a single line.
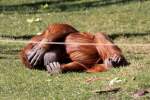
[[81, 51]]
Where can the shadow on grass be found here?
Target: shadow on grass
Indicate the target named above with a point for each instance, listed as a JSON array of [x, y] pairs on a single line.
[[3, 57], [24, 37], [112, 36], [118, 35], [59, 5]]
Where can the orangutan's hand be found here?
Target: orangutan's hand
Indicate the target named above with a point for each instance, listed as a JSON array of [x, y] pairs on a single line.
[[36, 54], [53, 68]]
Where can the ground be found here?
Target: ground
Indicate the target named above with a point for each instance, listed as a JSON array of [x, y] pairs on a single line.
[[127, 22]]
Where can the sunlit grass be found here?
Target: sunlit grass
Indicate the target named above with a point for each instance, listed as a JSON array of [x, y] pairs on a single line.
[[125, 23]]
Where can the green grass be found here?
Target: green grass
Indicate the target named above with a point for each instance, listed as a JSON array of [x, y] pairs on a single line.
[[125, 22]]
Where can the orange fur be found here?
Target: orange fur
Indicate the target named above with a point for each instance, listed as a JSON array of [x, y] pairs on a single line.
[[90, 56], [87, 58], [52, 33]]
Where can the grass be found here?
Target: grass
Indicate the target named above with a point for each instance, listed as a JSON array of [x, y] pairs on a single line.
[[125, 22]]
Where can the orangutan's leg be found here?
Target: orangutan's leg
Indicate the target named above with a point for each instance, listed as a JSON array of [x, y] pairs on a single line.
[[97, 68], [108, 51], [56, 67]]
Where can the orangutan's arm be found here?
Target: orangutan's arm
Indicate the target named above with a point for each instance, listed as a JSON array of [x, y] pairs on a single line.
[[53, 33]]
